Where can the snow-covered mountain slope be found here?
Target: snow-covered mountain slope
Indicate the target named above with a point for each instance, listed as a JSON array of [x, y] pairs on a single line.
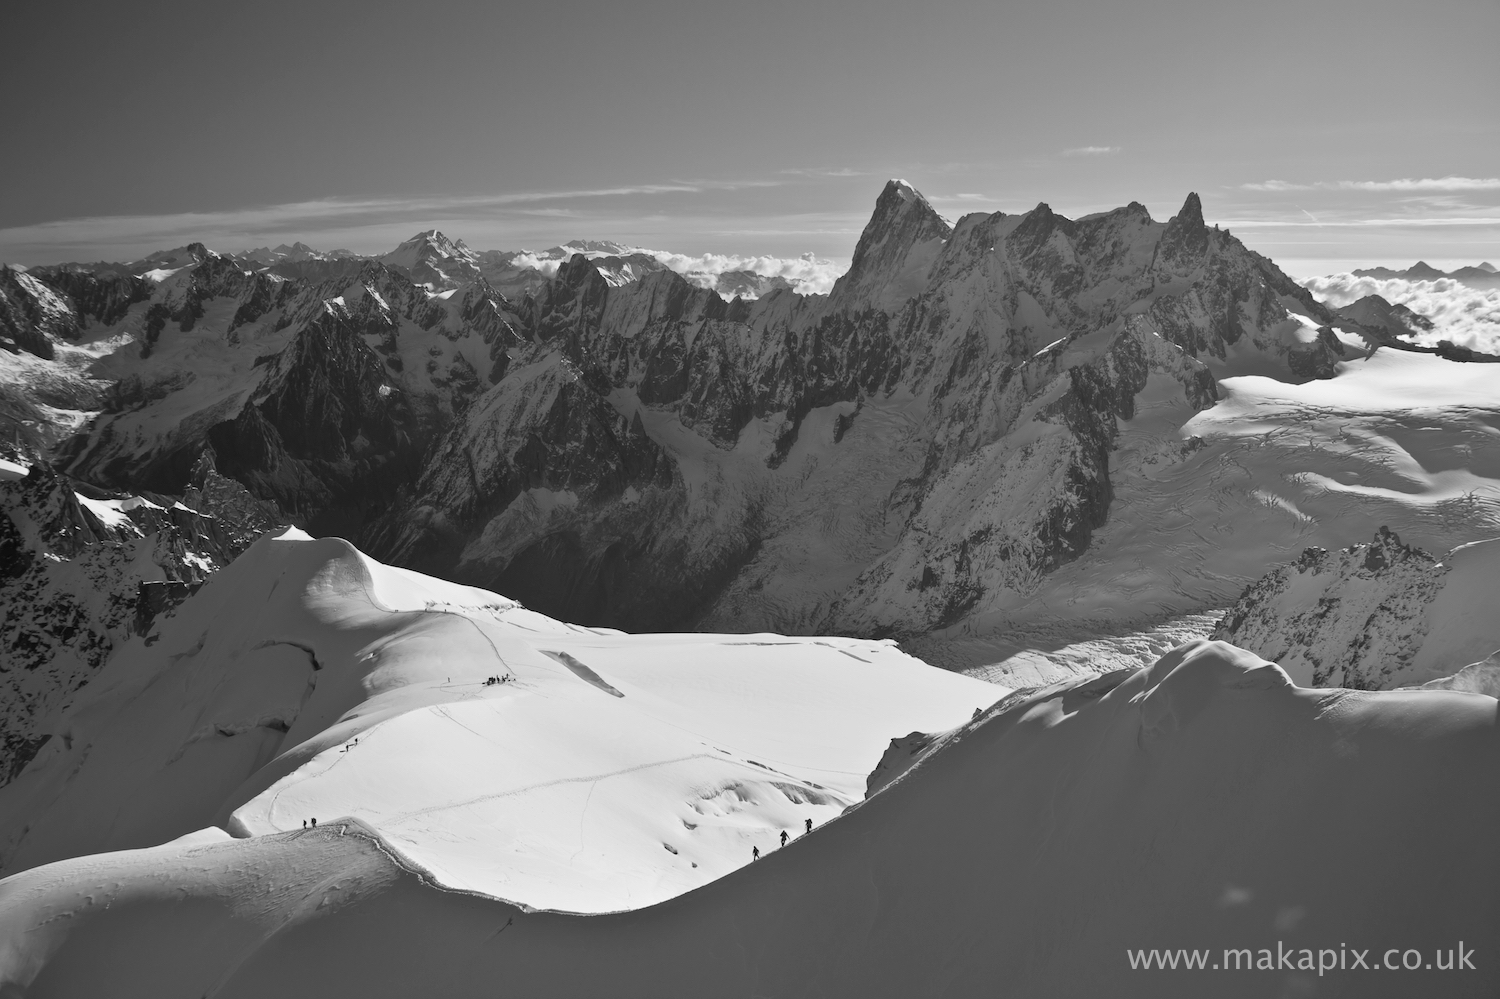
[[1204, 803], [81, 572], [496, 749], [1372, 616]]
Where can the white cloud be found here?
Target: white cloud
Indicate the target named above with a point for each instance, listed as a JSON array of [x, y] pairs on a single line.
[[1424, 184], [1091, 151], [1325, 222], [821, 172], [1406, 184], [1470, 317], [808, 274], [123, 236], [1276, 185]]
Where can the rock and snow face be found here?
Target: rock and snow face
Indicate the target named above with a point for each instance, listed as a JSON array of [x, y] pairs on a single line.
[[1190, 805], [894, 258], [432, 259], [603, 771], [80, 573], [319, 392], [1373, 616]]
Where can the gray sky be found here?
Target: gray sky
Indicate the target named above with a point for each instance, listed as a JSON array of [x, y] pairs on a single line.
[[1324, 134]]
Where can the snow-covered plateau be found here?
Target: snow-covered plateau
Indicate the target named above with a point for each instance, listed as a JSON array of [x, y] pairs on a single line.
[[1149, 602]]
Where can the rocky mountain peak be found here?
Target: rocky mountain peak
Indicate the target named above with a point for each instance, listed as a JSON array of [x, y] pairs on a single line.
[[433, 259], [182, 256], [1191, 213], [1186, 236], [435, 241], [1380, 322], [1485, 265], [895, 252], [576, 271]]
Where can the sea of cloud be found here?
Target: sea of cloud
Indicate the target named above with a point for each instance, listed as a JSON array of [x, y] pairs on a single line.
[[1469, 317], [808, 274]]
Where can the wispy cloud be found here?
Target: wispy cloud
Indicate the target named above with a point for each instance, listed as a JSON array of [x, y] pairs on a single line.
[[339, 218], [1406, 184], [824, 172], [1091, 151]]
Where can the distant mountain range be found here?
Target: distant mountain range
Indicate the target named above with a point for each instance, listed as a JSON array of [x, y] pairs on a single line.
[[1483, 275], [440, 264]]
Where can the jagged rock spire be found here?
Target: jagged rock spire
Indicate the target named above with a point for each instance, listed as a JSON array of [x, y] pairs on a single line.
[[1191, 213], [1186, 237]]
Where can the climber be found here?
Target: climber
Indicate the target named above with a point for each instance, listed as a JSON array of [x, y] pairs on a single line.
[[809, 825], [755, 853], [783, 837]]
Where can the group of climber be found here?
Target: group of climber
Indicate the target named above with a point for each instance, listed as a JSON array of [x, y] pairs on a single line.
[[490, 681], [755, 850]]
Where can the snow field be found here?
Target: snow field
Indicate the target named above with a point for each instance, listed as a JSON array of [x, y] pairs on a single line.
[[308, 681], [1204, 802]]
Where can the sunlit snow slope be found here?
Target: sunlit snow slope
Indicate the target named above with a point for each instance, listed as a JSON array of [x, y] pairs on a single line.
[[1202, 803], [605, 771]]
